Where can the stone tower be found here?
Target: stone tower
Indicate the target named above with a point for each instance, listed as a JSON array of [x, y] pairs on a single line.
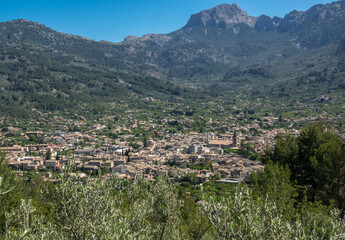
[[235, 140]]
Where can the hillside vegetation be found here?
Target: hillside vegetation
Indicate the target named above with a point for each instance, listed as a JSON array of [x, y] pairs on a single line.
[[299, 57]]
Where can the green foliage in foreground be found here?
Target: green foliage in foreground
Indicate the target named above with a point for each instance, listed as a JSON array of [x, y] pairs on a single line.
[[243, 217], [119, 209]]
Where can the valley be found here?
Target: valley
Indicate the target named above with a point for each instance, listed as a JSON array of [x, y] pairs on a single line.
[[231, 127]]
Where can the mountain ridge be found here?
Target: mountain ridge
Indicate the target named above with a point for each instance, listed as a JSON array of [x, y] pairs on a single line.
[[223, 16], [232, 52]]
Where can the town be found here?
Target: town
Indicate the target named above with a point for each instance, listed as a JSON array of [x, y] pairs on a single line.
[[229, 155]]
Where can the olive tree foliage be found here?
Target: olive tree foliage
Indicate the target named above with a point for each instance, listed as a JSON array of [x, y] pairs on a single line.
[[164, 212], [4, 189], [92, 211], [11, 190], [119, 209], [102, 209], [22, 223], [243, 216]]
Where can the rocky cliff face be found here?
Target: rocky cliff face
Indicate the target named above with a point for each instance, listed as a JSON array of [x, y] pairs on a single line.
[[265, 23], [222, 16], [320, 25], [316, 15], [25, 30]]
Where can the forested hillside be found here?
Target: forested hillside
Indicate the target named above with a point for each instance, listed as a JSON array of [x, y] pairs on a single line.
[[33, 78], [222, 50]]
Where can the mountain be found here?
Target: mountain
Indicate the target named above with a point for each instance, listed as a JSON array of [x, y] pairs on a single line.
[[225, 37], [320, 25], [220, 49], [263, 52], [222, 16], [265, 23], [44, 70]]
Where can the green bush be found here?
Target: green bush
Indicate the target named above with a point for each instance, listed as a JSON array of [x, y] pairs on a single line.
[[243, 216]]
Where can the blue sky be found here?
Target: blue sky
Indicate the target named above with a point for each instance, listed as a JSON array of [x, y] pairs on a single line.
[[113, 20]]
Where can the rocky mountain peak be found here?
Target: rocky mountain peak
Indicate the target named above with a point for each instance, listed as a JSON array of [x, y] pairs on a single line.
[[25, 22], [26, 30], [314, 17], [265, 23], [222, 16]]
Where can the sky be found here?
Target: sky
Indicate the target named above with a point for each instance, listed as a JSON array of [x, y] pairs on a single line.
[[113, 20]]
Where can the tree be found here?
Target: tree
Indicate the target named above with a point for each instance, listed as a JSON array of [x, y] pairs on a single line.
[[145, 140], [317, 162], [105, 168], [323, 155], [245, 216], [11, 200], [190, 178], [274, 181], [48, 154]]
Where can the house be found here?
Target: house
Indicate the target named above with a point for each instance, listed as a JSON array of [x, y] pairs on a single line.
[[109, 163], [14, 149], [24, 165], [84, 151], [36, 147], [91, 168], [31, 167], [38, 161], [51, 164], [97, 163], [220, 144], [215, 166], [120, 169], [36, 134], [193, 149], [202, 177], [120, 161], [35, 160], [15, 165]]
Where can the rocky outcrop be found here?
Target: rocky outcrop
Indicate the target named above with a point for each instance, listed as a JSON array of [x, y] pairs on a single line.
[[265, 23], [221, 16], [157, 39], [318, 26], [317, 15]]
